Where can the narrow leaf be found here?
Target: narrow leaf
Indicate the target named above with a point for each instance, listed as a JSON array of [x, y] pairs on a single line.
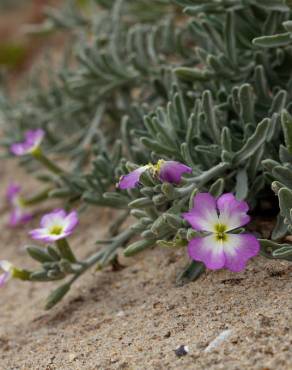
[[191, 272], [254, 142], [274, 41]]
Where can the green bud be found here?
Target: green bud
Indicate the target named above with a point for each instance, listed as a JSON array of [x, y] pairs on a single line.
[[39, 254], [173, 221], [141, 203], [53, 252], [137, 247], [40, 275], [159, 199]]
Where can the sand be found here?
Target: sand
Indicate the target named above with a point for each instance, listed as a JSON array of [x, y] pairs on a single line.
[[135, 318]]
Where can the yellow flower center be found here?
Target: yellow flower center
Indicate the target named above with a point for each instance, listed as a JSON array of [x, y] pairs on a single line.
[[155, 168], [35, 150], [56, 230], [19, 202], [220, 231]]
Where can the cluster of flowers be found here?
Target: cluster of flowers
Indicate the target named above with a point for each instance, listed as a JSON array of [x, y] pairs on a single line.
[[220, 244], [54, 226]]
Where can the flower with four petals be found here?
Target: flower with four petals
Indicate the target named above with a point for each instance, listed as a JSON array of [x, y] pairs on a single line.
[[220, 248], [55, 226]]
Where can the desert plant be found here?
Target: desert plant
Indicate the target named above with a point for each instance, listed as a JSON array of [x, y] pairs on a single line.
[[207, 84]]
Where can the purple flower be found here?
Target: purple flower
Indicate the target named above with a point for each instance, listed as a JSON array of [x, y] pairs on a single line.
[[19, 213], [220, 249], [172, 171], [7, 274], [33, 139], [131, 180], [55, 226], [167, 171]]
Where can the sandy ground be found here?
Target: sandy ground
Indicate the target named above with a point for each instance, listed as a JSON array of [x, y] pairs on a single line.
[[135, 318]]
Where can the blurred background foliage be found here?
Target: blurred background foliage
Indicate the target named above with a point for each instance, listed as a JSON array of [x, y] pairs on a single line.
[[16, 47]]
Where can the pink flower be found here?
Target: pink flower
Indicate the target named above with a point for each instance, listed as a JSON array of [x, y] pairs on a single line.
[[221, 249], [55, 226], [33, 139], [168, 171], [19, 213], [7, 267]]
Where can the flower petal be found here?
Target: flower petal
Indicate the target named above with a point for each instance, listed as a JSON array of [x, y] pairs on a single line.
[[39, 234], [238, 249], [232, 211], [207, 250], [203, 217], [56, 217], [6, 266], [131, 180], [12, 191], [19, 216], [34, 137], [18, 149], [71, 221], [45, 236], [172, 171], [4, 278]]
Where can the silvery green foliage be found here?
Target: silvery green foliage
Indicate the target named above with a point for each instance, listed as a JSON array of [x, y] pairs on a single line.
[[281, 172], [207, 83]]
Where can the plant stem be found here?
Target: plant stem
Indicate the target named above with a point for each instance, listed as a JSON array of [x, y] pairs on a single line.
[[21, 274], [37, 198], [39, 155], [65, 250], [105, 255], [118, 241]]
